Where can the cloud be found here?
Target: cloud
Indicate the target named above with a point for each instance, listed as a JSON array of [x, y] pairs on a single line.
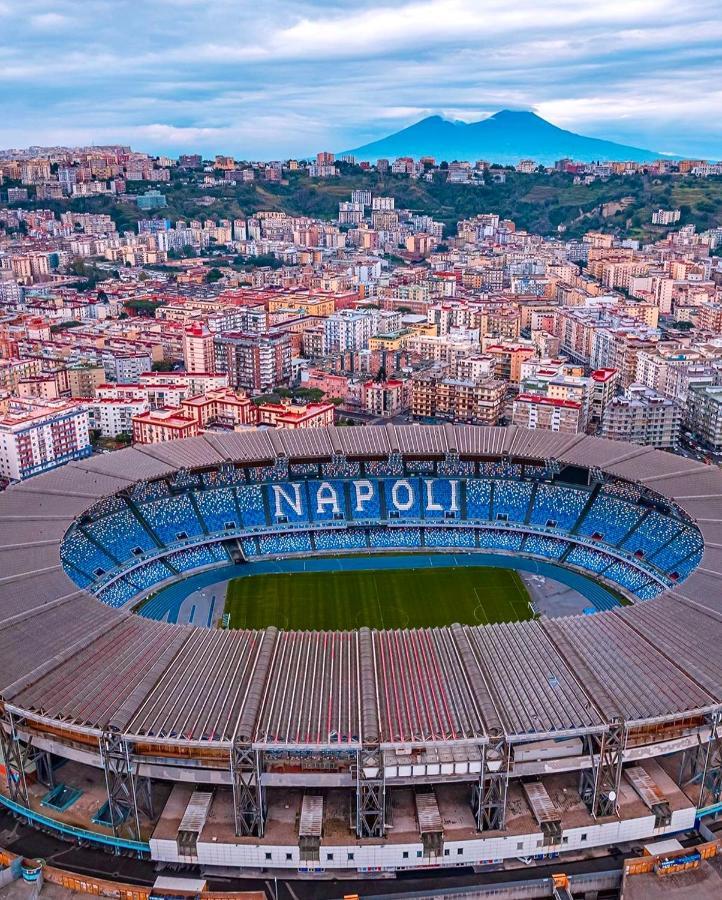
[[285, 77], [49, 21]]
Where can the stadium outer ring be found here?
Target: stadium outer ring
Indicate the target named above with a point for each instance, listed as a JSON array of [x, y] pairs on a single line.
[[46, 622]]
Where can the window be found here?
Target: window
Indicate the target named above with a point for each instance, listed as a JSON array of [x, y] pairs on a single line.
[[584, 836], [405, 854], [459, 851], [269, 856], [520, 845], [350, 857], [418, 854], [329, 857], [446, 851]]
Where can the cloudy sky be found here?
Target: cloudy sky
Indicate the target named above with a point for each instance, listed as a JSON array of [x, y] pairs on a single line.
[[274, 78]]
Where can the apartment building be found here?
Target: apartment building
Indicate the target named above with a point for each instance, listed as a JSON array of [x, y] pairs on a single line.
[[198, 349], [38, 435], [704, 414], [642, 416], [160, 425], [255, 362], [349, 329], [295, 416], [114, 416], [385, 398], [548, 413], [437, 396]]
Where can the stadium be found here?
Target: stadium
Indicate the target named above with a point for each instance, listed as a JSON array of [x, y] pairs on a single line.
[[361, 749]]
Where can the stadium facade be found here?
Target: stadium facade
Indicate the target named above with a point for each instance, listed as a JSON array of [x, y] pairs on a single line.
[[362, 750]]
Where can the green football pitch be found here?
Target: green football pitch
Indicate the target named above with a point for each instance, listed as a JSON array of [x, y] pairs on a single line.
[[388, 598]]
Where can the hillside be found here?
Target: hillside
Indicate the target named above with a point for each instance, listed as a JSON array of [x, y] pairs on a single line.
[[505, 138], [535, 202]]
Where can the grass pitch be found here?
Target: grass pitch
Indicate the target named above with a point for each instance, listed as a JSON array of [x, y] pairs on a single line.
[[388, 598]]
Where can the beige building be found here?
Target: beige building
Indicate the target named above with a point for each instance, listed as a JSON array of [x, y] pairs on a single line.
[[643, 416], [198, 349], [85, 380], [538, 411], [436, 396], [385, 398]]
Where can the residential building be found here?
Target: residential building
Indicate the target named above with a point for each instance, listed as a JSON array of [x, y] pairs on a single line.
[[605, 383], [114, 416], [548, 413], [221, 407], [252, 361], [642, 416], [157, 426], [38, 435], [437, 396], [198, 348], [704, 414], [385, 398], [294, 416]]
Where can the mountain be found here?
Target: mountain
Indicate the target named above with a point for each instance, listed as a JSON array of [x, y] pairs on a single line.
[[506, 137]]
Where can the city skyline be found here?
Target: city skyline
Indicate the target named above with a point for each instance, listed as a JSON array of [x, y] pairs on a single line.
[[289, 78]]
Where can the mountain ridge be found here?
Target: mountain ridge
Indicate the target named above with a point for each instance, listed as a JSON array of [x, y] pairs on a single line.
[[504, 137]]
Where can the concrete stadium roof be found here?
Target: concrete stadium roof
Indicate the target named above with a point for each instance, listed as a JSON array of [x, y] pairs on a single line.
[[67, 658]]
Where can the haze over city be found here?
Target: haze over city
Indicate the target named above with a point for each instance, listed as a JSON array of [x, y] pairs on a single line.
[[280, 79]]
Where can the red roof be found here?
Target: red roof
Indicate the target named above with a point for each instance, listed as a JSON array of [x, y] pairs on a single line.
[[548, 401]]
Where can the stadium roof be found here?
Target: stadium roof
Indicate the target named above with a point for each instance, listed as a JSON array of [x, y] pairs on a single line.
[[67, 658]]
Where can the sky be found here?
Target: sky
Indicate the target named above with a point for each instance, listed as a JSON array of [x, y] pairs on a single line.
[[271, 79]]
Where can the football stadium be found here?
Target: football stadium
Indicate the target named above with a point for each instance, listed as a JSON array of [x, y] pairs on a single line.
[[376, 693]]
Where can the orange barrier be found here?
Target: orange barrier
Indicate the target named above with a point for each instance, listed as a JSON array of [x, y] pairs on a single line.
[[640, 865]]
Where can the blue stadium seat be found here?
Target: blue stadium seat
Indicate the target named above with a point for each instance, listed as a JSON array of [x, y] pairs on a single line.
[[478, 498], [303, 470], [288, 502], [370, 506], [441, 495], [688, 540], [540, 545], [684, 568], [80, 553], [278, 544], [500, 540], [627, 576], [610, 517], [121, 534], [249, 546], [340, 539], [218, 508], [511, 499], [589, 559], [172, 517], [561, 505], [147, 575], [651, 534], [197, 557], [341, 468], [394, 487], [250, 503], [117, 594], [450, 537], [394, 537], [330, 494]]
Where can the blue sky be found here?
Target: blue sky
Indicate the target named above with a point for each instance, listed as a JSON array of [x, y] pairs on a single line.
[[272, 79]]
